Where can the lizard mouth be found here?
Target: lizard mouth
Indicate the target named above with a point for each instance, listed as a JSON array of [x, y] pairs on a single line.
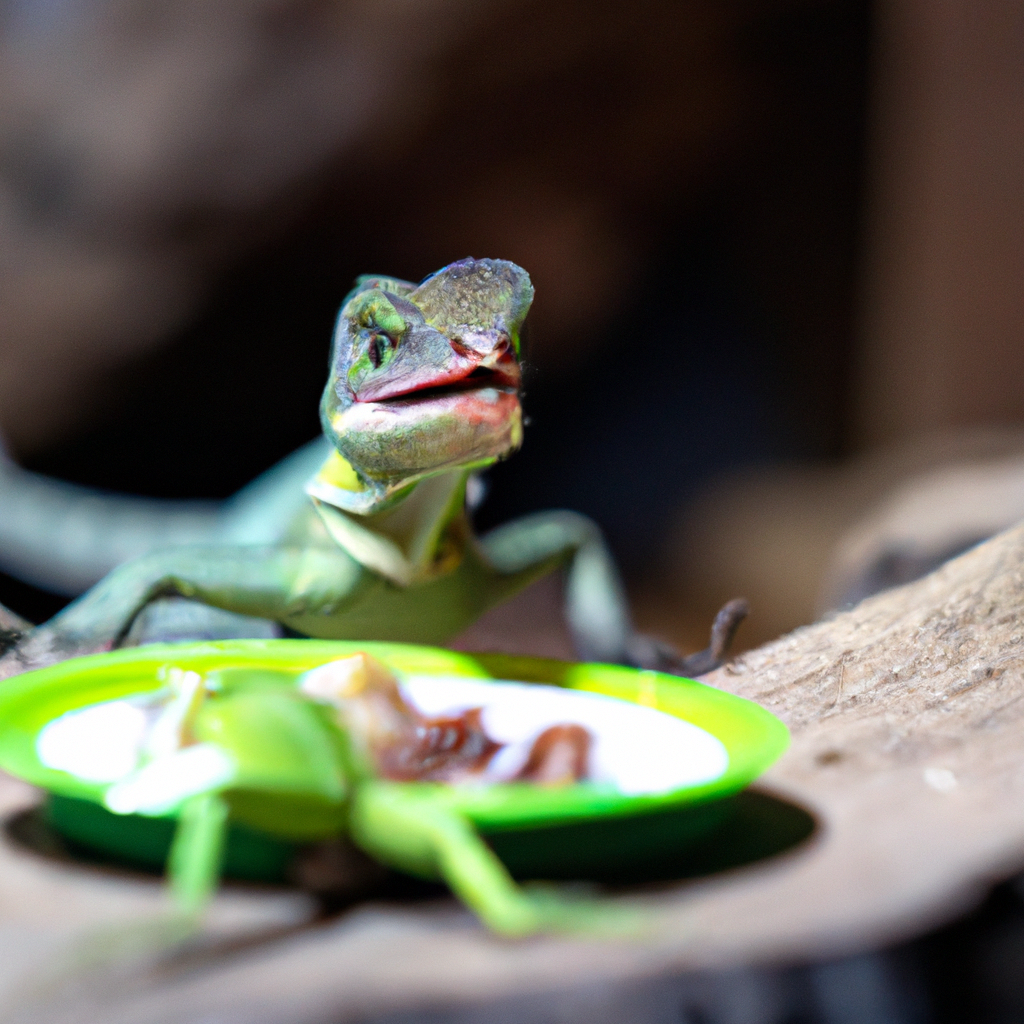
[[440, 419], [464, 370], [480, 379]]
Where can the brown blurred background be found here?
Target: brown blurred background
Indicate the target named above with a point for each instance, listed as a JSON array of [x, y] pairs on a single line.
[[777, 251]]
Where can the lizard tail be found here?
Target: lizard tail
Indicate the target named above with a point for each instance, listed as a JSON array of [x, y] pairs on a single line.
[[64, 537]]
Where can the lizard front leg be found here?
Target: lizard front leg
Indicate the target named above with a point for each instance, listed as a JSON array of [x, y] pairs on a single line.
[[596, 607], [268, 582]]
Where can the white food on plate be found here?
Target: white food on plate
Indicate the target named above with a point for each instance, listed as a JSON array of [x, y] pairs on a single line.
[[636, 749], [163, 784], [100, 743]]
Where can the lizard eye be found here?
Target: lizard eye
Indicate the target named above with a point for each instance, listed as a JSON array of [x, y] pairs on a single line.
[[380, 345]]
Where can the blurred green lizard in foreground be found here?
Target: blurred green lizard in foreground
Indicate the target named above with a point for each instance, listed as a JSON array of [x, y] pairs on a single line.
[[363, 534]]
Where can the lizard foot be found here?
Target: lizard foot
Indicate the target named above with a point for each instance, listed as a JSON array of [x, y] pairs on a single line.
[[646, 652], [42, 647]]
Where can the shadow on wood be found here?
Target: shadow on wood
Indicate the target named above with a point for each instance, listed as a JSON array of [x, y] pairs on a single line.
[[683, 843]]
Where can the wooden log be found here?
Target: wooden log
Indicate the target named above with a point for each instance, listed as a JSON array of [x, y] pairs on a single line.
[[906, 715]]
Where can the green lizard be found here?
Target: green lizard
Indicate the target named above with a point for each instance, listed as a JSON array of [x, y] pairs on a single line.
[[423, 391]]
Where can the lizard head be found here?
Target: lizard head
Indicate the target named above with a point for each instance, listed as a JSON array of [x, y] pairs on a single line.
[[425, 378]]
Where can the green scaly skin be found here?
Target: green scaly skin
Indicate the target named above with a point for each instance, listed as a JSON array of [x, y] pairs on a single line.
[[423, 390]]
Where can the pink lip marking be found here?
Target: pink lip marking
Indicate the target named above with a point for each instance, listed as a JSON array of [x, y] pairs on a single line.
[[500, 372]]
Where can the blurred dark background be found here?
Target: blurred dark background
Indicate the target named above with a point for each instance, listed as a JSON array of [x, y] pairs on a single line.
[[684, 183], [777, 248]]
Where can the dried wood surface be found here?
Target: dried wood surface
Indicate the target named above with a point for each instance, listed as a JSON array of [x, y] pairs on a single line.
[[906, 715]]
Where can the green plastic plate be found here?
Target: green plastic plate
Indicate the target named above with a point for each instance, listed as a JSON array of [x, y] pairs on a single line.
[[572, 831]]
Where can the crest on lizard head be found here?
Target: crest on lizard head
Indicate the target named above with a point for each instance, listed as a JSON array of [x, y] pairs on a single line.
[[425, 378]]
